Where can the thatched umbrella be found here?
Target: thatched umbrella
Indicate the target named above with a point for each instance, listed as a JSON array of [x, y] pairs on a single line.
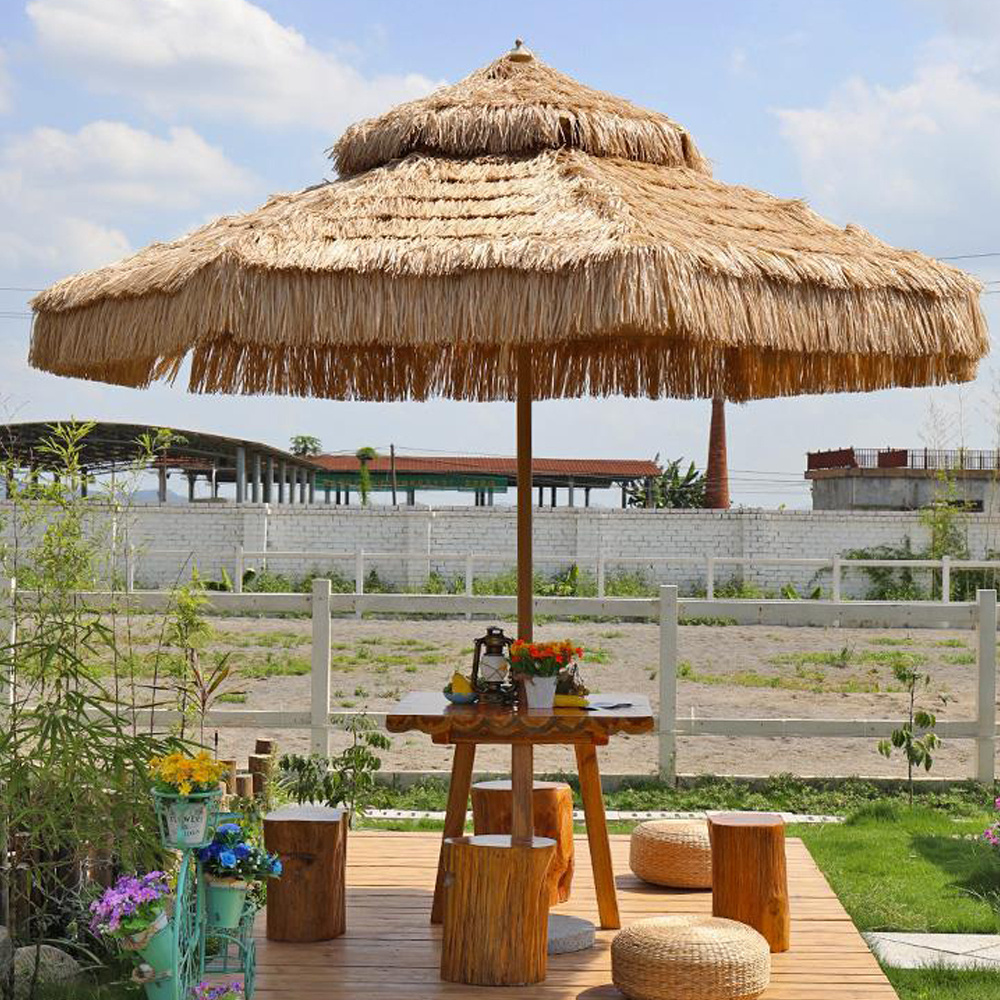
[[515, 236]]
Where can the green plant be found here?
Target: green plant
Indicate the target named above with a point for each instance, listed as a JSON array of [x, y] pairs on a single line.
[[305, 444], [74, 785], [347, 779], [364, 456], [915, 738], [187, 631], [672, 488], [202, 688]]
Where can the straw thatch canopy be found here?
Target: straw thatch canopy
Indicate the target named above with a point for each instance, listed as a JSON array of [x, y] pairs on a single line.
[[519, 208]]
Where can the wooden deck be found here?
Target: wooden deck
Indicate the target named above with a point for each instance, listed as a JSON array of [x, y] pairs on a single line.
[[391, 950]]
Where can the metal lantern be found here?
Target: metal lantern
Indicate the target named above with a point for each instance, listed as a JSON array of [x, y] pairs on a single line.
[[491, 665]]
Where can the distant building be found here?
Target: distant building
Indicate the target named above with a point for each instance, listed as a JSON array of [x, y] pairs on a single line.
[[902, 478], [485, 475]]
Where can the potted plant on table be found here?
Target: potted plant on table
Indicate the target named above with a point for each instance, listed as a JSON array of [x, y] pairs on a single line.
[[232, 866], [186, 794], [538, 665], [134, 914]]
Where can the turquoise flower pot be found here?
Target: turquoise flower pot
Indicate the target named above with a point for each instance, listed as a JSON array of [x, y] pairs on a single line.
[[186, 821], [155, 947], [224, 902], [159, 950]]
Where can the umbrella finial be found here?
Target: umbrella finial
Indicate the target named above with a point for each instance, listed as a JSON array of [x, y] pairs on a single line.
[[520, 52]]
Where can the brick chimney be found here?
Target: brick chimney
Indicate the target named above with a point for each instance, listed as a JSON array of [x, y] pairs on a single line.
[[717, 474]]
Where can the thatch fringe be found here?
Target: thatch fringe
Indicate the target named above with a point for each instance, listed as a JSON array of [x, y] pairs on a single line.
[[633, 325], [511, 108]]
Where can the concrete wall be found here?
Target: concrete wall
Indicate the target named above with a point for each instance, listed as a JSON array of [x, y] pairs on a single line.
[[207, 536], [898, 489]]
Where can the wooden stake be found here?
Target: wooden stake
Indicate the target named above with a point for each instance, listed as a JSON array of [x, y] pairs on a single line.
[[230, 776], [749, 876]]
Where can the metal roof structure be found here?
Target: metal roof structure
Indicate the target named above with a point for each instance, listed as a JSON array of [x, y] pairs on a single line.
[[264, 473], [484, 474], [111, 447]]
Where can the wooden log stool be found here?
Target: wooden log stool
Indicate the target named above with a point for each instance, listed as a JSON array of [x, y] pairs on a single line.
[[552, 802], [496, 910], [307, 903], [749, 873]]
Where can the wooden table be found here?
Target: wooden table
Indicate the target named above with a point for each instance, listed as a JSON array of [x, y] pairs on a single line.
[[466, 726]]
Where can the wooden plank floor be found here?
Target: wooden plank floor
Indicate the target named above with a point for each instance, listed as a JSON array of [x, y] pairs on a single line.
[[391, 950]]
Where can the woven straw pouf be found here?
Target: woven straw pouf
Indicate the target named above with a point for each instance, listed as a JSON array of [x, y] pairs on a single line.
[[690, 958], [677, 854]]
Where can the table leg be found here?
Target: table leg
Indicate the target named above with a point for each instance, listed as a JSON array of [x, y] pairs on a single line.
[[597, 834], [454, 818], [522, 783]]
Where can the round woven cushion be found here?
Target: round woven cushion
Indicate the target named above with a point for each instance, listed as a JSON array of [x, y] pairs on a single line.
[[678, 854], [690, 958]]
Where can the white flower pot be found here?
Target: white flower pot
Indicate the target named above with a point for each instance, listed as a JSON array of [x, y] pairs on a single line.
[[540, 692]]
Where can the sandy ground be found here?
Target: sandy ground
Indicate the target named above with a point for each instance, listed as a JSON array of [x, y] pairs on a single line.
[[375, 662]]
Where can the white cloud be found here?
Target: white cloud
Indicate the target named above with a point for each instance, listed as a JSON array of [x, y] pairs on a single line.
[[221, 58], [65, 195], [113, 166], [917, 162]]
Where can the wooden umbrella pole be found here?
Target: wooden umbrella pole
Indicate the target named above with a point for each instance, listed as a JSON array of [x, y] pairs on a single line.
[[522, 755], [525, 611]]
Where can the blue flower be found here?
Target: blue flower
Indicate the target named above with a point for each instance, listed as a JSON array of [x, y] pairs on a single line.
[[241, 851], [276, 867], [229, 828], [227, 859]]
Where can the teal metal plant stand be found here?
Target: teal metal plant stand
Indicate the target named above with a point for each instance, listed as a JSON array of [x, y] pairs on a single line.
[[188, 960]]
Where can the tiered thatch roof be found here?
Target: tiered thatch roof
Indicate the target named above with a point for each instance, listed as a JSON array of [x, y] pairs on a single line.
[[518, 207]]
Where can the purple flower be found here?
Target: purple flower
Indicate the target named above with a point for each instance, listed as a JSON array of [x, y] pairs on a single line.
[[229, 991], [130, 905]]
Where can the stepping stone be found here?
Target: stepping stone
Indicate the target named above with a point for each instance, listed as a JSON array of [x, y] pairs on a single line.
[[568, 934], [904, 950]]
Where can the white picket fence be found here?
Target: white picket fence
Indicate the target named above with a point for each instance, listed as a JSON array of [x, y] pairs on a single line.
[[668, 609], [362, 559]]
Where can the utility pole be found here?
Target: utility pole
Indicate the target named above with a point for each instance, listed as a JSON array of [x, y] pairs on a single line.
[[392, 471]]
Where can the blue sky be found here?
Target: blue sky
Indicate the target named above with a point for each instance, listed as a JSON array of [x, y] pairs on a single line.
[[125, 121]]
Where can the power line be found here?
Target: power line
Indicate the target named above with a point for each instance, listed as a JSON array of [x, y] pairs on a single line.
[[971, 256]]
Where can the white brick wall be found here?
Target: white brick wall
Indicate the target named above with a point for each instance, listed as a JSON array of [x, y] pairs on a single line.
[[208, 535]]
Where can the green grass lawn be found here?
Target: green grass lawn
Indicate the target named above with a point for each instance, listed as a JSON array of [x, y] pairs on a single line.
[[896, 869], [944, 984]]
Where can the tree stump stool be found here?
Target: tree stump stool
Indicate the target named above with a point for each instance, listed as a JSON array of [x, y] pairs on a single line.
[[749, 875], [492, 803], [307, 902], [496, 910]]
